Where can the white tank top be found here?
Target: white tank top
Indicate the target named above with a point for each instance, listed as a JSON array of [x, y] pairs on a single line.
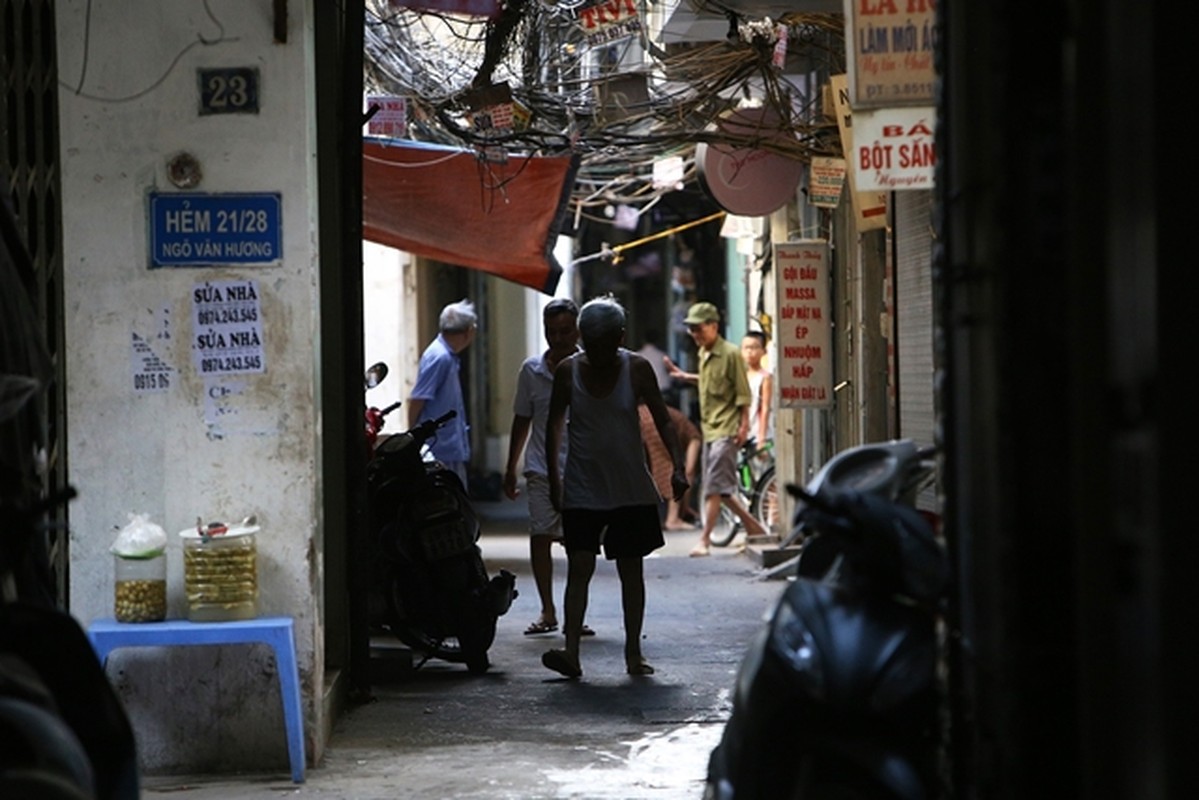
[[605, 465], [755, 407]]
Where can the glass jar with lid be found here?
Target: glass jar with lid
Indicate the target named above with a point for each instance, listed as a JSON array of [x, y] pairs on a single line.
[[220, 572], [140, 587]]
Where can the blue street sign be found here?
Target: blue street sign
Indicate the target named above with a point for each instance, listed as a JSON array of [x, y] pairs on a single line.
[[194, 229]]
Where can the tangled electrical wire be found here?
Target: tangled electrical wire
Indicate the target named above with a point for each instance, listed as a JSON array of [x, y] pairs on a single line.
[[621, 105]]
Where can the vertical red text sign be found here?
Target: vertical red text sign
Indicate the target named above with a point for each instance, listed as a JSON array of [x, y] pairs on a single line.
[[805, 358]]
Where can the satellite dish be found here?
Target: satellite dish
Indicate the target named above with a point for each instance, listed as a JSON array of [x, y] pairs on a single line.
[[750, 182]]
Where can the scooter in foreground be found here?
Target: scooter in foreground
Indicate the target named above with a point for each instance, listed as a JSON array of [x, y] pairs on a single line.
[[836, 696], [431, 588]]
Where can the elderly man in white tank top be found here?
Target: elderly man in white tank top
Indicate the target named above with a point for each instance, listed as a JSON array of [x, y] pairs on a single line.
[[608, 498]]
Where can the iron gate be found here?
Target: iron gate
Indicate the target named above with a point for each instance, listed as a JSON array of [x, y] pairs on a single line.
[[29, 174]]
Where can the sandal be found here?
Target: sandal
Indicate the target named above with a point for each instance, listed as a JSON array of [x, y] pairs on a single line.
[[540, 626], [561, 662], [639, 668], [699, 550]]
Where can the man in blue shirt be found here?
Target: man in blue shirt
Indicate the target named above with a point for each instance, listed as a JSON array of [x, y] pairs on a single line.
[[438, 388]]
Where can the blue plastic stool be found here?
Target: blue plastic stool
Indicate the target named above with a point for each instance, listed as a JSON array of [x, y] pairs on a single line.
[[107, 635]]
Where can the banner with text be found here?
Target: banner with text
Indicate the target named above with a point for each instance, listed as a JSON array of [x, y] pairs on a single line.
[[870, 207], [805, 358], [391, 119], [227, 328], [826, 177], [894, 149], [890, 47]]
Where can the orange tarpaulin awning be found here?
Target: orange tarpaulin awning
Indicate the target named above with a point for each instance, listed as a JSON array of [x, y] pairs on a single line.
[[447, 204]]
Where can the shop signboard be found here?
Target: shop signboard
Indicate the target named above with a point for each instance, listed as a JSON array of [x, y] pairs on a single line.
[[893, 149], [391, 117], [826, 177], [870, 207], [606, 21], [804, 329], [890, 48]]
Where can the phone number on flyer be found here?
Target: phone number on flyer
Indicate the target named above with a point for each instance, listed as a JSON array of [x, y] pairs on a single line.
[[212, 364]]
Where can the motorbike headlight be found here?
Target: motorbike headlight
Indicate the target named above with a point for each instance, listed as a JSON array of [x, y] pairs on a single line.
[[791, 640]]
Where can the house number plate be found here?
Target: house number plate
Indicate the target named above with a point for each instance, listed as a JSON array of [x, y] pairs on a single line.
[[229, 90]]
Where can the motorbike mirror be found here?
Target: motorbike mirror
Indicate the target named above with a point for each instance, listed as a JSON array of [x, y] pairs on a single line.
[[375, 375]]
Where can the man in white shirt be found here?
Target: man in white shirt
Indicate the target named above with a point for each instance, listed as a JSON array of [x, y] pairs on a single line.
[[530, 409]]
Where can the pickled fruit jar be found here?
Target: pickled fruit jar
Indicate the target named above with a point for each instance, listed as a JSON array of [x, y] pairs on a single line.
[[220, 572], [140, 588]]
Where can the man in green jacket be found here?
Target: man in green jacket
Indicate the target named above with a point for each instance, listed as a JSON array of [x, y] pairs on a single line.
[[724, 401]]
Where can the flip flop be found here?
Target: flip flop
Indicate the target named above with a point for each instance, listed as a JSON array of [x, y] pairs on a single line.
[[559, 661], [586, 631], [540, 626], [640, 668], [699, 551]]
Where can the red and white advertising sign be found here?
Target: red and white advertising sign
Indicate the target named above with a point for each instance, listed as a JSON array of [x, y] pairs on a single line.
[[893, 149], [805, 356], [609, 20], [391, 119], [890, 46]]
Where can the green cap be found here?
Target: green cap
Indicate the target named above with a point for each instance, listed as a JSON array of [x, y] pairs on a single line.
[[702, 312]]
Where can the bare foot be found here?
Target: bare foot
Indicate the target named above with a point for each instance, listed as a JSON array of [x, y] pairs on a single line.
[[756, 530]]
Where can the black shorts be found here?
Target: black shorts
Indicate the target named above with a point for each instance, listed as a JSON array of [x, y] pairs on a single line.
[[626, 532]]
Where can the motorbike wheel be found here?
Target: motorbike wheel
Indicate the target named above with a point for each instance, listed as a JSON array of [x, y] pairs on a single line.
[[478, 664], [460, 634]]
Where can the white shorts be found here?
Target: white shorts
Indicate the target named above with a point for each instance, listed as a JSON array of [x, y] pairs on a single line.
[[543, 519]]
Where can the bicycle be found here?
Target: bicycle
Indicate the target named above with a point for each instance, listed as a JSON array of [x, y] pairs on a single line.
[[758, 490]]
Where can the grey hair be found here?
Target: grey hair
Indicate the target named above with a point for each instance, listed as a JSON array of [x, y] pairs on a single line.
[[458, 317], [601, 317]]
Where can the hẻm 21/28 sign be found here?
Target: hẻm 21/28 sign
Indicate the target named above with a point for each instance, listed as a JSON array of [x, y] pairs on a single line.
[[201, 230]]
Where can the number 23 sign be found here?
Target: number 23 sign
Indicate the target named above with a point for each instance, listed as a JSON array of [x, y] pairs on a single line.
[[228, 90]]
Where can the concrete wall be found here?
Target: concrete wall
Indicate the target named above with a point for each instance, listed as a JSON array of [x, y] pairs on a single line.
[[389, 326], [219, 447]]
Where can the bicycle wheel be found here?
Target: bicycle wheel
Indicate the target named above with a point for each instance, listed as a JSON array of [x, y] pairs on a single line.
[[765, 503], [726, 528]]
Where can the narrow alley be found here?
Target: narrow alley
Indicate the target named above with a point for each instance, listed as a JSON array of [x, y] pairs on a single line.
[[521, 731]]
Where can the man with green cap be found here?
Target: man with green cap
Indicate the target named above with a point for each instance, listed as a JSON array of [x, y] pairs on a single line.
[[724, 401]]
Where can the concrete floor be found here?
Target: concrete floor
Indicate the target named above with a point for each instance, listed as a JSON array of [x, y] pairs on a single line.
[[521, 731]]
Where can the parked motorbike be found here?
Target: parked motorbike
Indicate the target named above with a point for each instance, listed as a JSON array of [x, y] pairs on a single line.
[[836, 697], [431, 587]]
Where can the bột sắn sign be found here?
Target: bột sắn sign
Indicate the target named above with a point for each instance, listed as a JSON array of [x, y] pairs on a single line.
[[194, 229], [894, 149]]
